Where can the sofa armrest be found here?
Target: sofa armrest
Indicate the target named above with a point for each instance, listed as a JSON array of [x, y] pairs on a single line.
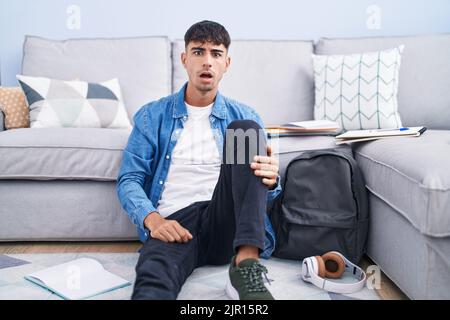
[[2, 121]]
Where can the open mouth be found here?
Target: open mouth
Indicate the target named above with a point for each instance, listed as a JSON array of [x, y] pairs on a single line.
[[206, 75]]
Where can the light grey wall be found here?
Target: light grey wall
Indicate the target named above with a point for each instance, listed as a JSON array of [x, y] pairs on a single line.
[[244, 19]]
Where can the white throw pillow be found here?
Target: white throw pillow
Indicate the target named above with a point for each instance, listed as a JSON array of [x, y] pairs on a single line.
[[359, 91], [58, 103]]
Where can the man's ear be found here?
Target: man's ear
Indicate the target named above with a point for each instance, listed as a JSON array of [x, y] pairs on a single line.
[[227, 63], [183, 59]]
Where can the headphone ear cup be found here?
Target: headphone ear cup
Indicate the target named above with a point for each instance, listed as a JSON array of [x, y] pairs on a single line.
[[321, 272], [333, 264]]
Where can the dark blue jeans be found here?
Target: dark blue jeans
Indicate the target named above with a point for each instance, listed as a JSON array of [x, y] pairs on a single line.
[[233, 217]]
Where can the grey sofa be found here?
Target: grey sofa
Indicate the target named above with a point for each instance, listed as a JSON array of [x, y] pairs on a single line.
[[59, 184]]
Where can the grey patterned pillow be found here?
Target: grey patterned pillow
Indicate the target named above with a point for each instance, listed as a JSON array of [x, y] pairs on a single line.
[[58, 103]]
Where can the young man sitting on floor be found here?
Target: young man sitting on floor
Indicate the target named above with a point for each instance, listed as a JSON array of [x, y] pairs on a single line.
[[196, 196]]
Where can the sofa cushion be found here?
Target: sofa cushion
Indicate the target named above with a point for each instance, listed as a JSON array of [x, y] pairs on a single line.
[[412, 176], [96, 153], [78, 104], [359, 90], [423, 93], [141, 64], [273, 77], [62, 153]]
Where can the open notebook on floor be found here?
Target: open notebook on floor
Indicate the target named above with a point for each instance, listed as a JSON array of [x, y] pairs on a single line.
[[77, 279], [373, 134]]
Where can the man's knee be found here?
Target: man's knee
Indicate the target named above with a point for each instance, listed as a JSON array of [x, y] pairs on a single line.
[[244, 125], [245, 129], [243, 140]]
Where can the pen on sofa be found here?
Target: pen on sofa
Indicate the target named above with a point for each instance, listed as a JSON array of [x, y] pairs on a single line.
[[391, 129]]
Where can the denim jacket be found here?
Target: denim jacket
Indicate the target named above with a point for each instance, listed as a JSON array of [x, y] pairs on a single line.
[[146, 158]]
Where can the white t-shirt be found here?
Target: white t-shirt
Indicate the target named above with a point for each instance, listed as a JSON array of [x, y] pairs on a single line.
[[195, 164]]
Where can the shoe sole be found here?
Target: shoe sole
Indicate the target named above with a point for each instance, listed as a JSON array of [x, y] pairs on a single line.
[[231, 291]]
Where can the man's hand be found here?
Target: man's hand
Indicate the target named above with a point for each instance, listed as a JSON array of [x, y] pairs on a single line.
[[266, 167], [166, 230]]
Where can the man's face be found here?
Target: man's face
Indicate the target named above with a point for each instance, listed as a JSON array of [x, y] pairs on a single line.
[[205, 64]]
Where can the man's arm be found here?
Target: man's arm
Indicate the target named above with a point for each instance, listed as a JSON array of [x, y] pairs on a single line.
[[136, 167]]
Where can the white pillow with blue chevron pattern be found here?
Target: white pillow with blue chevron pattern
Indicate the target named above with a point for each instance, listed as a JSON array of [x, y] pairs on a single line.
[[359, 91]]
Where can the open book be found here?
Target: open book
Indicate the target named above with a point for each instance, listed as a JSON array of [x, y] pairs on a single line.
[[310, 127], [373, 134], [77, 279]]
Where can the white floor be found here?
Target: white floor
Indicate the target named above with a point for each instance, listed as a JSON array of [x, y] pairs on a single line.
[[206, 283]]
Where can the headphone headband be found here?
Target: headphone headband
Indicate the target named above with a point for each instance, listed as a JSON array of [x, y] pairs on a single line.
[[310, 274]]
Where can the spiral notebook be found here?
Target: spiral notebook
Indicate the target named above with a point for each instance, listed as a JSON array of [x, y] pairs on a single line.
[[373, 134]]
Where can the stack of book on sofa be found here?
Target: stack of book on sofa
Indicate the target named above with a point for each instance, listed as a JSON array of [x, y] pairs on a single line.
[[373, 134], [304, 128]]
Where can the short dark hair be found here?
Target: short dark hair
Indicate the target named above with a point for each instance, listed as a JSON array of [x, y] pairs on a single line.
[[207, 31]]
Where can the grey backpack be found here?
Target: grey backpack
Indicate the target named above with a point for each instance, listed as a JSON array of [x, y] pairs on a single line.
[[323, 206]]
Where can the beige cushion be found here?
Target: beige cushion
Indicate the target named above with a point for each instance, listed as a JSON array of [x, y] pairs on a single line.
[[14, 107]]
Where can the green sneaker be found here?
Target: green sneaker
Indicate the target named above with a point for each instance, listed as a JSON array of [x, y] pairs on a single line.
[[245, 281]]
